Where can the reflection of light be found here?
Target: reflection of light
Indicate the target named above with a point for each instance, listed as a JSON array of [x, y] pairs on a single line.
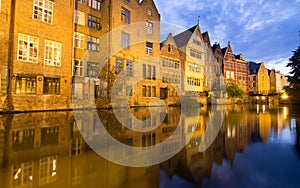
[[233, 132], [284, 96], [54, 167], [228, 133], [284, 112], [17, 174], [263, 97], [53, 173], [30, 177], [257, 108], [257, 97], [264, 108]]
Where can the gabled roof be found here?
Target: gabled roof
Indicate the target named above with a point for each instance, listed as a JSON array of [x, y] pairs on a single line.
[[215, 46], [183, 38], [254, 67], [224, 51]]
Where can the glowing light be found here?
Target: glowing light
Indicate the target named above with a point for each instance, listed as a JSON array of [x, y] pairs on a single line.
[[257, 108], [263, 97], [264, 108], [30, 177], [257, 97], [17, 174], [284, 96], [284, 112]]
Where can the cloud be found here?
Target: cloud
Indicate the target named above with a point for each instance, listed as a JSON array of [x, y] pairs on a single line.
[[258, 29]]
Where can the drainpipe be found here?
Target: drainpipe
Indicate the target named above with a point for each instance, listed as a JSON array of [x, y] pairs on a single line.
[[8, 102]]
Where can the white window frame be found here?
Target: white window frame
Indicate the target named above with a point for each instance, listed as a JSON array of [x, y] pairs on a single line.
[[80, 1], [149, 27], [125, 38], [95, 4], [46, 14], [149, 50], [78, 40], [77, 66], [79, 17], [54, 53], [31, 44]]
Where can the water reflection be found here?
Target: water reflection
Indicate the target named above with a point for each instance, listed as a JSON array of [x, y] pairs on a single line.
[[48, 149]]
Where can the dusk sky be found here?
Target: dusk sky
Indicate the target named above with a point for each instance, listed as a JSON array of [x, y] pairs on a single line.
[[262, 30]]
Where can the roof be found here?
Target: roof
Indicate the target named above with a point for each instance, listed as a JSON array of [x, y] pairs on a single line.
[[224, 51], [215, 46], [254, 67], [183, 38]]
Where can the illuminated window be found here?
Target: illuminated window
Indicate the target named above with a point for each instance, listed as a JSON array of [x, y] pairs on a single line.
[[94, 22], [78, 40], [22, 175], [52, 54], [77, 67], [93, 44], [92, 69], [27, 48], [51, 86], [95, 4], [125, 15], [25, 84], [79, 17], [149, 28], [43, 10], [149, 47]]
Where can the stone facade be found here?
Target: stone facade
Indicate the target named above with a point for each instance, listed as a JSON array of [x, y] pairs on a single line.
[[41, 55], [192, 48], [171, 71]]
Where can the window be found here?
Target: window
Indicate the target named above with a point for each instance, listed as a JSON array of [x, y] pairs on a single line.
[[81, 1], [43, 10], [52, 54], [153, 91], [119, 65], [95, 4], [128, 1], [149, 28], [144, 91], [149, 12], [129, 68], [27, 48], [149, 72], [195, 53], [78, 67], [197, 42], [93, 44], [78, 40], [149, 46], [79, 17], [51, 86], [125, 40], [128, 90], [25, 84], [169, 48], [94, 22], [92, 69], [125, 16], [47, 170]]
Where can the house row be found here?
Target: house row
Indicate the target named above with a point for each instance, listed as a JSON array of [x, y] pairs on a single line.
[[65, 54]]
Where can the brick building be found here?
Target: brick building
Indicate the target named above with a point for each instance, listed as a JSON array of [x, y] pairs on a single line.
[[192, 48], [171, 71], [40, 54], [242, 73]]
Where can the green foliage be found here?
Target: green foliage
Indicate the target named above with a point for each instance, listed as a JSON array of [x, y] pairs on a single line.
[[294, 64], [234, 91]]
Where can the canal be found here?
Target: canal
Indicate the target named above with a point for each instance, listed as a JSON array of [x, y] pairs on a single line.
[[248, 146]]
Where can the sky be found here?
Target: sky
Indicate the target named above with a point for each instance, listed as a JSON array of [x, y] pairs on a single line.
[[262, 30]]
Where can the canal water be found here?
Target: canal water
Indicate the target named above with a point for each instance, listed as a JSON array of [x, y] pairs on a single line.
[[254, 146]]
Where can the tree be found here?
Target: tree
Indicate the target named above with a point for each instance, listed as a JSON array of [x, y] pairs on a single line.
[[234, 91], [294, 64]]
